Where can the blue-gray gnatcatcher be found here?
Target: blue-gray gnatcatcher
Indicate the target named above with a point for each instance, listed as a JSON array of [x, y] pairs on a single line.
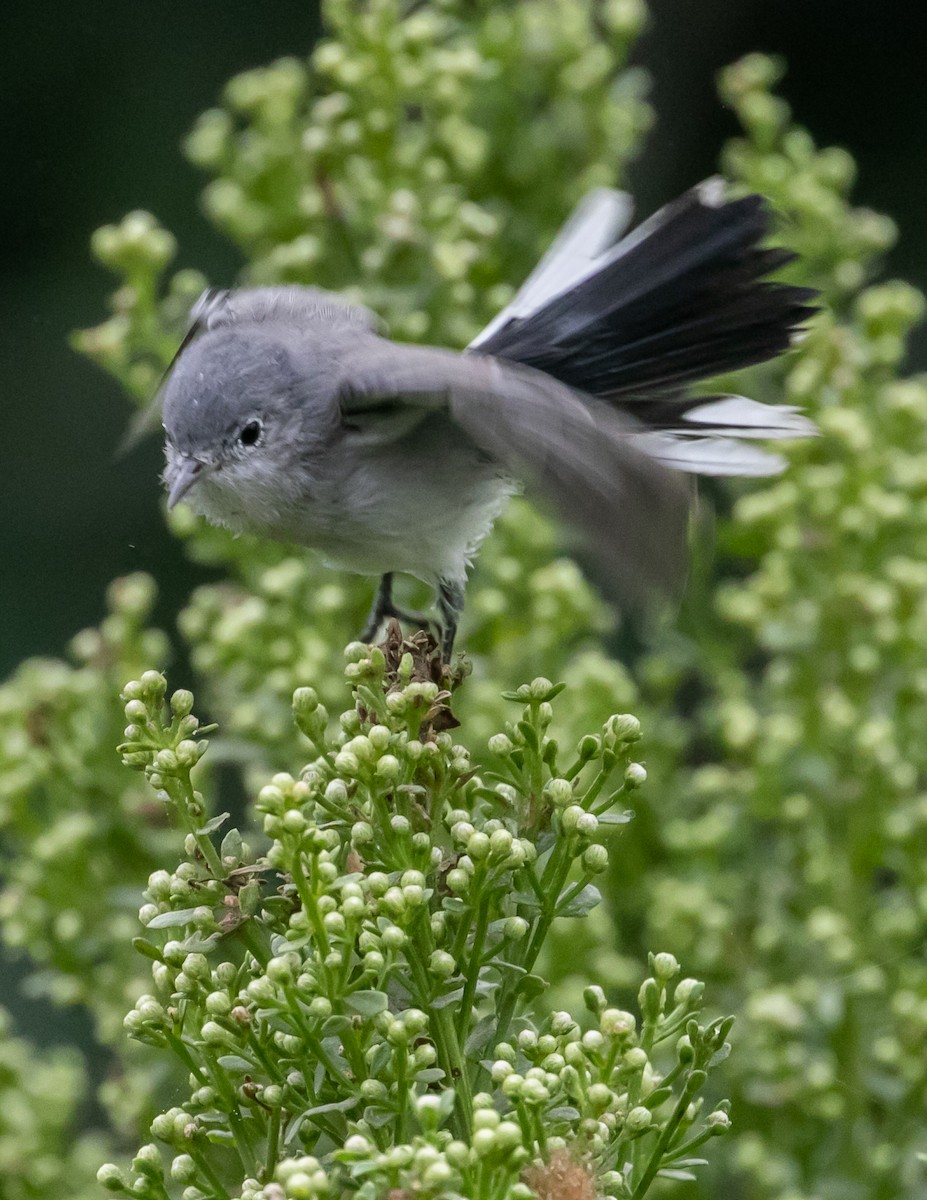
[[288, 415]]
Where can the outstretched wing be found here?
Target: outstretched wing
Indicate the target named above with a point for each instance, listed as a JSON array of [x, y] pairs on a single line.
[[577, 454]]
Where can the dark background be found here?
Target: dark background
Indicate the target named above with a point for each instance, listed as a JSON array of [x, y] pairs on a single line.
[[94, 100]]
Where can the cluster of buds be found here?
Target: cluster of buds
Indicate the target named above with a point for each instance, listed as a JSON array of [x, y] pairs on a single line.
[[388, 940]]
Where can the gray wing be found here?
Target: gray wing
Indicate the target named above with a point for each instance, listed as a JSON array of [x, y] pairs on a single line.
[[577, 454]]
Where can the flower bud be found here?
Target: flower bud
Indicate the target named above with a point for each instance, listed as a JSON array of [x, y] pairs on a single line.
[[588, 747], [379, 736], [110, 1177], [559, 792], [182, 702], [136, 711], [336, 792], [148, 1159], [595, 859], [684, 1051], [587, 825], [624, 727], [458, 881], [570, 818], [478, 846], [635, 774], [514, 929], [393, 937], [665, 966], [183, 1169], [638, 1119], [280, 970], [541, 689], [347, 763], [688, 991], [389, 768], [614, 1022]]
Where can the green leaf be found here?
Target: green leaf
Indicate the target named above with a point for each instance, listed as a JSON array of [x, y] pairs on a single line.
[[485, 987], [195, 944], [502, 964], [340, 1106], [381, 1057], [335, 1106], [249, 898], [170, 920], [531, 986], [234, 1062], [213, 824], [367, 1003], [529, 733], [480, 1034], [231, 845], [613, 817], [429, 1075], [148, 949], [376, 1117], [582, 904]]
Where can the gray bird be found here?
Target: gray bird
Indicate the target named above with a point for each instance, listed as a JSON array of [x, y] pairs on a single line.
[[288, 415]]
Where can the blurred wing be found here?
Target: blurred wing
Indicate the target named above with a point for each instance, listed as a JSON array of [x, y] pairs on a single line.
[[577, 454]]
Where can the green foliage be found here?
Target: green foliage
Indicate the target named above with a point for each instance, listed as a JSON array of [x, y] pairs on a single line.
[[419, 162], [77, 832], [41, 1153], [792, 870], [354, 1006]]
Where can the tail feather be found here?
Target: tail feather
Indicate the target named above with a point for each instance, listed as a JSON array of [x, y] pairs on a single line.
[[738, 416], [680, 299], [709, 455], [599, 219]]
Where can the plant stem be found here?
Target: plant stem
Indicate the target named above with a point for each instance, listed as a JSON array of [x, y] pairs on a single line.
[[473, 971], [662, 1143]]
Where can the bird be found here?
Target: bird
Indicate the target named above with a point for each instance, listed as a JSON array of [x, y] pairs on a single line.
[[288, 413]]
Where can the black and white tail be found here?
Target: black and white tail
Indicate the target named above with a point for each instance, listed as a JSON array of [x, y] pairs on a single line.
[[682, 298]]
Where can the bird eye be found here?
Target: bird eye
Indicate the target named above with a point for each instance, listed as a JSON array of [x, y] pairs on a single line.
[[250, 433]]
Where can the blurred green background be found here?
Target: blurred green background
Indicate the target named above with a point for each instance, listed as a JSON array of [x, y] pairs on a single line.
[[94, 100]]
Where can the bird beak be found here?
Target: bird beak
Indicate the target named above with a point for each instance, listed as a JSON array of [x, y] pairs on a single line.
[[185, 473]]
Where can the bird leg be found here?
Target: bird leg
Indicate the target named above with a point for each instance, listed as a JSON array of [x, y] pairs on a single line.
[[450, 605], [383, 607]]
